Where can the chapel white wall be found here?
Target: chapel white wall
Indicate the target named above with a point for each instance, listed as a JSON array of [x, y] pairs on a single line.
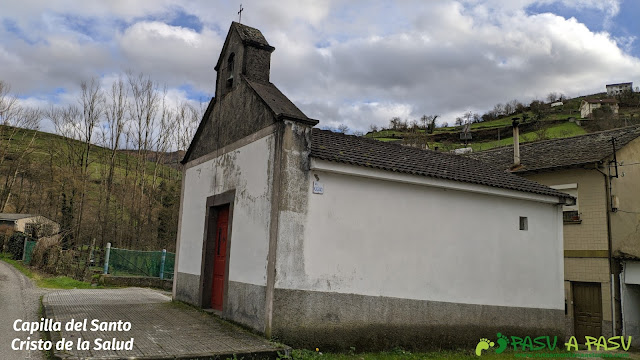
[[382, 238], [248, 171]]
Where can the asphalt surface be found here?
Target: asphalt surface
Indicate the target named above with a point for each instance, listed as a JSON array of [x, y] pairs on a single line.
[[158, 328], [19, 299]]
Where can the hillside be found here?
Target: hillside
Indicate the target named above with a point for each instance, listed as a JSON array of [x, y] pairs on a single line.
[[539, 123], [94, 193]]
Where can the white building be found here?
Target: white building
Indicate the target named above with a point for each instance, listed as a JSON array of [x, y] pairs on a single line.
[[328, 240], [630, 299], [615, 89], [588, 105], [35, 225]]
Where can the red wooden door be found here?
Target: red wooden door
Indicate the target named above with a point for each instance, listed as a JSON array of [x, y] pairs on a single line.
[[219, 258]]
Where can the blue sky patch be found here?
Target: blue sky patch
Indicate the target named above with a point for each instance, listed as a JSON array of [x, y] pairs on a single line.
[[196, 95], [12, 27], [186, 20], [596, 20]]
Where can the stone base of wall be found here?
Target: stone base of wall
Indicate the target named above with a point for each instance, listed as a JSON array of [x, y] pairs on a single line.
[[568, 327], [633, 330], [188, 288], [607, 329], [245, 302], [138, 281], [335, 321], [245, 305]]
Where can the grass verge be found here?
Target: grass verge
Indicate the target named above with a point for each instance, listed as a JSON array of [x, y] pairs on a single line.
[[400, 354], [57, 282], [48, 354]]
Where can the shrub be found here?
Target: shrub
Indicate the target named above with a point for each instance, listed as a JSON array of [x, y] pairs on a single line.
[[15, 245]]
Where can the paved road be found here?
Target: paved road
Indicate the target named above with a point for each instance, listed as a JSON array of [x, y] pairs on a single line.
[[19, 299], [159, 328]]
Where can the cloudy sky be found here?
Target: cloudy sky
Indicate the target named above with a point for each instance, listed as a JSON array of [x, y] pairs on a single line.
[[342, 62]]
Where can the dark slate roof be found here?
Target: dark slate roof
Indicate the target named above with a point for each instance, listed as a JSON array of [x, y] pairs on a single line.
[[348, 149], [276, 100], [13, 217], [601, 101], [250, 35], [565, 152]]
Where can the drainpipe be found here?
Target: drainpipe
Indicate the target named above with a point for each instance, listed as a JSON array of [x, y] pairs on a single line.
[[516, 143], [609, 244], [607, 187], [610, 209]]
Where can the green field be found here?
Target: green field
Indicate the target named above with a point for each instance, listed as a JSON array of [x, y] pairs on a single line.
[[553, 132], [457, 354], [546, 127]]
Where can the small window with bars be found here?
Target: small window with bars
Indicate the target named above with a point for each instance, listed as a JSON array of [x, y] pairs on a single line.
[[570, 213]]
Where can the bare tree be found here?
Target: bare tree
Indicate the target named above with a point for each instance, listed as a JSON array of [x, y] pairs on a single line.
[[143, 110], [413, 126], [115, 118], [77, 124], [508, 109], [541, 131], [187, 118], [15, 119], [92, 102], [394, 123], [26, 117], [429, 122], [467, 117], [342, 128]]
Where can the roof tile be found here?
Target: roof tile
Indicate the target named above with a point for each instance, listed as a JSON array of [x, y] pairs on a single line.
[[564, 152], [349, 149]]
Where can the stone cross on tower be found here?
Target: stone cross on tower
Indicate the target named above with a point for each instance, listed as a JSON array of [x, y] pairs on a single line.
[[240, 14]]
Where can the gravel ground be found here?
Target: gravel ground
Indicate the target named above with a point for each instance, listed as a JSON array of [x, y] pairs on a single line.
[[19, 299]]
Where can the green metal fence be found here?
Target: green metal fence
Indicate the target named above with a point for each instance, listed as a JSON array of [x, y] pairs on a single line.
[[28, 251], [123, 262]]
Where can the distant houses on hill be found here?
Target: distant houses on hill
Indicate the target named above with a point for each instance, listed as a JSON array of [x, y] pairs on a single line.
[[615, 89], [589, 105]]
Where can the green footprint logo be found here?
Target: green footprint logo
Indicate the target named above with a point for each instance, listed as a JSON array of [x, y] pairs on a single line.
[[502, 341], [484, 344]]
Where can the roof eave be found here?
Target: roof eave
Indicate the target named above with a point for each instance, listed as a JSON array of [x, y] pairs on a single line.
[[199, 130], [364, 170], [300, 119]]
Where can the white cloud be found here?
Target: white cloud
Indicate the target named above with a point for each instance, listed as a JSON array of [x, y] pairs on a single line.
[[355, 62], [171, 54], [453, 59]]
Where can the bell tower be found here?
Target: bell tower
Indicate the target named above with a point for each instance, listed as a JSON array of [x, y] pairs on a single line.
[[246, 53]]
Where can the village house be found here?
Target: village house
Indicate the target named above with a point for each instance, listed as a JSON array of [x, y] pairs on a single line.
[[330, 240], [587, 106], [601, 231], [33, 225], [616, 89]]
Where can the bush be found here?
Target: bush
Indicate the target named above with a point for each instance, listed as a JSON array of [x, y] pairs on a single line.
[[15, 245], [46, 254]]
